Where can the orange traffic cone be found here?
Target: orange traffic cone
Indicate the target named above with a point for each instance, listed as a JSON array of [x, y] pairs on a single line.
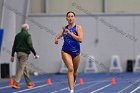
[[49, 82], [113, 81], [11, 82], [81, 81]]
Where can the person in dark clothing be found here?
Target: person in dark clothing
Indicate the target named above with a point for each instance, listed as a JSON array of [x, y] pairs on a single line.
[[22, 47]]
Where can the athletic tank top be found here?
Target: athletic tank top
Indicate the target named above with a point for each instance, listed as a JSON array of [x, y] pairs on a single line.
[[70, 44]]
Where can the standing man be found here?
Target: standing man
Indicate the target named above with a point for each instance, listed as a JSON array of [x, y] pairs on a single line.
[[22, 46]]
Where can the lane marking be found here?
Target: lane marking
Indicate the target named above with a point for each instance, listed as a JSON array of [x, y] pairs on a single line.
[[20, 84], [30, 89], [97, 82], [36, 87], [128, 86], [101, 88], [5, 87], [78, 85], [135, 89], [87, 87]]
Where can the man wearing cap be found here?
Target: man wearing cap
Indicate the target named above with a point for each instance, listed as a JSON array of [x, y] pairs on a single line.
[[22, 46]]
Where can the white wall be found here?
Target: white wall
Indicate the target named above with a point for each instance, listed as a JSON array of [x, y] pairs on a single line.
[[124, 6], [62, 6], [13, 17], [112, 31], [8, 38], [1, 7], [115, 34], [94, 6], [37, 6], [136, 24], [18, 7]]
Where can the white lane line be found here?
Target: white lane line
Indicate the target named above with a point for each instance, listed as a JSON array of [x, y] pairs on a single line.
[[89, 86], [60, 90], [128, 86], [78, 85], [5, 87], [35, 87], [101, 88], [20, 84], [45, 85], [135, 89], [30, 89], [66, 88]]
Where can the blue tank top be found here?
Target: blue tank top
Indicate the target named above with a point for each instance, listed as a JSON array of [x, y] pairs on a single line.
[[70, 44]]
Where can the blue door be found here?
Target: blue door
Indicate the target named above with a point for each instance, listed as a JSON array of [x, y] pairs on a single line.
[[1, 36]]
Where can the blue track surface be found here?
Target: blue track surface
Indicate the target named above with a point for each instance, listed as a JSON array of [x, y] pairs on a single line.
[[93, 83]]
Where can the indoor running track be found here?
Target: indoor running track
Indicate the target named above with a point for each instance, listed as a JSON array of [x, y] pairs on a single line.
[[92, 83]]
